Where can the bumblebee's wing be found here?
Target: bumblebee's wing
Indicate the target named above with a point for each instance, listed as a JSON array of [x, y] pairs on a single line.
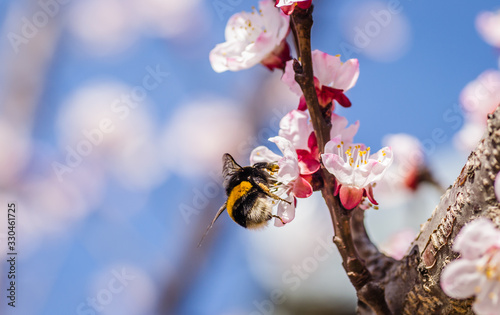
[[213, 221], [229, 167]]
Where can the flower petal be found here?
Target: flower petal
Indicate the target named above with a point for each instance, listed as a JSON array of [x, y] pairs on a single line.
[[308, 164], [244, 46], [488, 300], [263, 154], [337, 166], [296, 127], [289, 78], [286, 212], [460, 278], [350, 196], [302, 188], [289, 164], [339, 128], [476, 238], [347, 75]]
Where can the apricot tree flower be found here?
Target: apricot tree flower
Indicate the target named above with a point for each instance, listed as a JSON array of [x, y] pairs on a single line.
[[477, 271], [331, 78], [252, 38], [289, 5], [479, 98], [290, 183], [488, 25], [355, 170], [297, 128], [409, 161]]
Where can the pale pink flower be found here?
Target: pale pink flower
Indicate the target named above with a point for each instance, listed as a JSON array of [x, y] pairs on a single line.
[[340, 129], [398, 244], [477, 271], [479, 98], [488, 26], [409, 159], [332, 78], [252, 38], [289, 5], [291, 183], [296, 127], [355, 170]]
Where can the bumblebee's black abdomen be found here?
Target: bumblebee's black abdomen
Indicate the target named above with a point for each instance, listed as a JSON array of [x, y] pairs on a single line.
[[248, 206], [243, 206]]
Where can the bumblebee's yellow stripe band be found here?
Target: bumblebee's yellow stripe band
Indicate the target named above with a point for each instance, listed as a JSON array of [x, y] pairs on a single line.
[[238, 191]]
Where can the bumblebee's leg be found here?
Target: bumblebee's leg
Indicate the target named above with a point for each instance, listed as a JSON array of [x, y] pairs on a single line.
[[278, 217], [270, 194], [271, 167]]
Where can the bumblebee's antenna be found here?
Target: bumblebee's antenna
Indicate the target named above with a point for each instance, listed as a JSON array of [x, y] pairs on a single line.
[[215, 219]]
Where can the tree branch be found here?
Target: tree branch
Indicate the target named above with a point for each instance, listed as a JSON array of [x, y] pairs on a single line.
[[370, 292]]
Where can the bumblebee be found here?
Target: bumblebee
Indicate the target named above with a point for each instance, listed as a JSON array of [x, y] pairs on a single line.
[[249, 198]]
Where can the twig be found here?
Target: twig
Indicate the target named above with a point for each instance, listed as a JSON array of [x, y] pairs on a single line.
[[369, 291]]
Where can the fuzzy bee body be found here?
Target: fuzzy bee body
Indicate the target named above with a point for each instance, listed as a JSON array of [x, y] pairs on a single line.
[[249, 197]]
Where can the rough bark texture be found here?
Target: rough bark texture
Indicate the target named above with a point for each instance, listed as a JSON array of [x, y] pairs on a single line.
[[471, 196]]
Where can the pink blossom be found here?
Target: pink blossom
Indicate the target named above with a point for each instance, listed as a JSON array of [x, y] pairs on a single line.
[[479, 98], [340, 129], [477, 271], [355, 170], [409, 159], [252, 38], [291, 183], [296, 127], [488, 25], [398, 244], [289, 5], [331, 77]]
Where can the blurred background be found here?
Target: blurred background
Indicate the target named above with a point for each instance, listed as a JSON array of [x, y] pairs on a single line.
[[112, 128]]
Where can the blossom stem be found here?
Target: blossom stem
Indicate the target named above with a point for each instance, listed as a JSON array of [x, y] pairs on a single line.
[[302, 21], [369, 291]]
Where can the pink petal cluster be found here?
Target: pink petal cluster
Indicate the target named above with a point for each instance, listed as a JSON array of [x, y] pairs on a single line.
[[477, 271], [287, 6], [488, 25], [291, 183], [252, 38], [297, 128], [355, 169], [479, 98], [331, 77]]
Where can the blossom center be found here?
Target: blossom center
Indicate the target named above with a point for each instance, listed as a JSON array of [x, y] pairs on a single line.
[[250, 28], [489, 266], [355, 156]]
